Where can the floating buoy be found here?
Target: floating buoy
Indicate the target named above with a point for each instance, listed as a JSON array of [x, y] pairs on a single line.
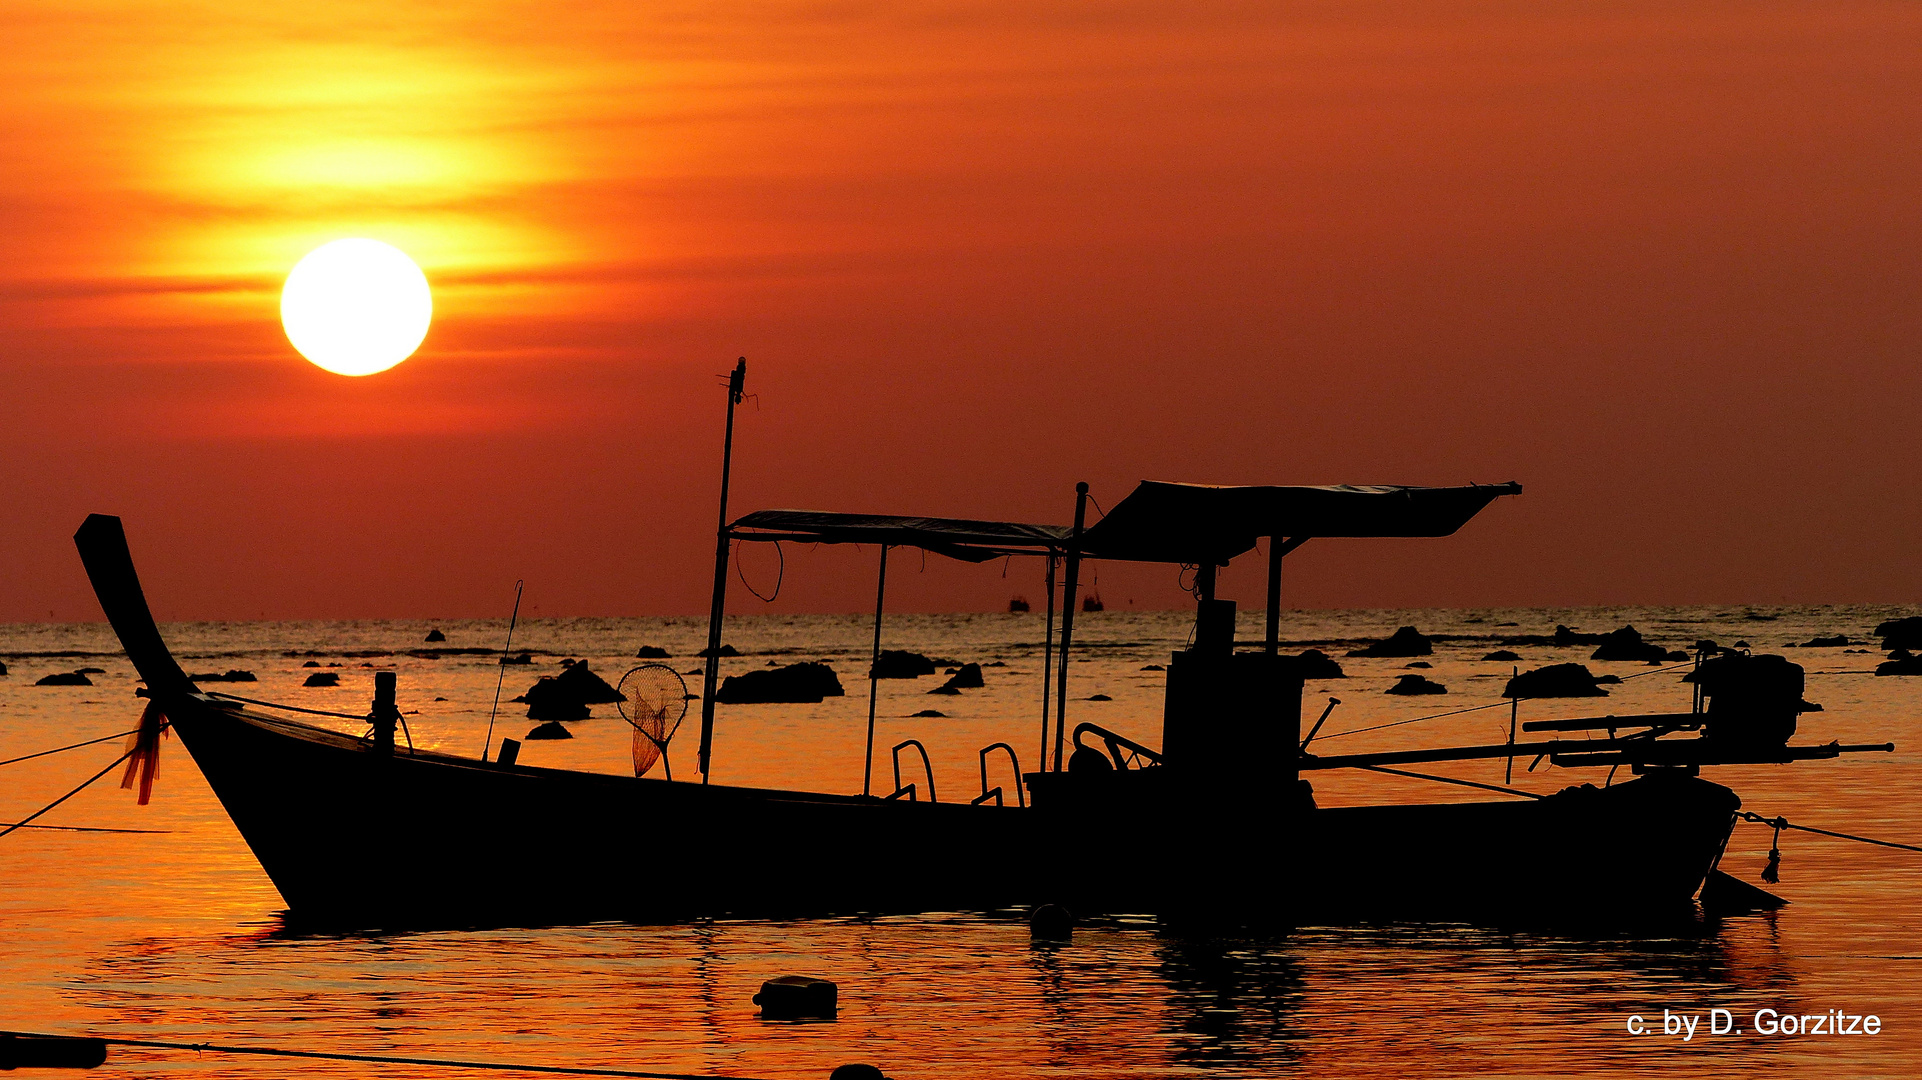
[[797, 997], [1051, 922]]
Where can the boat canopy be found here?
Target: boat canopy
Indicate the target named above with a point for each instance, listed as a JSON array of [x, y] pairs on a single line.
[[1157, 522], [957, 538], [1202, 523]]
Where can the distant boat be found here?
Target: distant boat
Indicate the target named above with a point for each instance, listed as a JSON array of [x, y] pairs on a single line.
[[357, 832], [1092, 602], [1018, 605]]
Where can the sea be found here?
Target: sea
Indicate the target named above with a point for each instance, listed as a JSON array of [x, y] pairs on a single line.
[[173, 933]]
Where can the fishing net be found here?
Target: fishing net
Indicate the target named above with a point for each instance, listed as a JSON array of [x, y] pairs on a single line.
[[653, 699]]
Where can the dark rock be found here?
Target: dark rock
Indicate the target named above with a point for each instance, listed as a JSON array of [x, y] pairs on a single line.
[[967, 677], [1832, 641], [1740, 645], [995, 663], [1051, 922], [726, 650], [1900, 662], [797, 997], [653, 652], [1502, 654], [1555, 680], [1419, 664], [322, 678], [550, 730], [1017, 605], [1899, 654], [91, 670], [1901, 633], [64, 678], [1608, 680], [1406, 641], [1153, 667], [435, 635], [440, 699], [1757, 617], [695, 671], [1315, 664], [231, 675], [518, 658], [896, 664], [1099, 697], [566, 696], [945, 689], [587, 687], [793, 684], [1416, 684], [3, 669], [1627, 644], [1676, 656], [311, 663], [932, 713], [856, 1070]]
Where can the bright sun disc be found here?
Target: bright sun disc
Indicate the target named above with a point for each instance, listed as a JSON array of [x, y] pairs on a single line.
[[356, 306]]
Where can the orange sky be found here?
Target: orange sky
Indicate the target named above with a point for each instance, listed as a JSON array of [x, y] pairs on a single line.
[[1657, 261]]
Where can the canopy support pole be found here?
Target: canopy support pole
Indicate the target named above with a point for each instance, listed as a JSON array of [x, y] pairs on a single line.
[[874, 672], [1067, 621], [712, 671], [1047, 666], [1277, 548]]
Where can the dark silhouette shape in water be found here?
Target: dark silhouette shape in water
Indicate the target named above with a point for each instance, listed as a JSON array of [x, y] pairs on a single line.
[[1315, 664], [725, 650], [1051, 922], [1502, 654], [794, 684], [231, 675], [566, 696], [1901, 633], [1098, 697], [64, 678], [311, 663], [3, 669], [1153, 667], [518, 658], [550, 730], [798, 997], [1627, 644], [1831, 641], [1092, 602], [856, 1071], [946, 689], [435, 635], [1419, 664], [652, 652], [1416, 684], [322, 678], [1018, 605], [1555, 680], [900, 664], [933, 714], [1404, 642], [967, 677], [1905, 665]]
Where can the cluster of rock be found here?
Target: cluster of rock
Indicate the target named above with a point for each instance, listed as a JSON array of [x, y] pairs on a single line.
[[567, 696], [803, 684], [231, 675], [1557, 680], [1404, 642], [1901, 633], [322, 678]]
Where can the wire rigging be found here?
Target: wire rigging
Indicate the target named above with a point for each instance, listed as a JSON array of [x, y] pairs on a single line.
[[70, 746]]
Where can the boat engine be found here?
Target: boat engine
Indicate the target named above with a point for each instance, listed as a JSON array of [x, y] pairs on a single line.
[[1753, 701]]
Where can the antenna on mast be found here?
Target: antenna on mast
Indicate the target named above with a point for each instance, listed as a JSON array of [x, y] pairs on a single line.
[[712, 673]]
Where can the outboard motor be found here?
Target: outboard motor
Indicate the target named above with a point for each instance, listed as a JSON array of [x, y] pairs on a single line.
[[1752, 700]]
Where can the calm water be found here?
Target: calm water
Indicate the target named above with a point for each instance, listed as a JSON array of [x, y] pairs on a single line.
[[176, 935]]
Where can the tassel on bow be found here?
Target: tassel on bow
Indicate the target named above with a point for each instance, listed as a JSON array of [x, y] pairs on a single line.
[[143, 752]]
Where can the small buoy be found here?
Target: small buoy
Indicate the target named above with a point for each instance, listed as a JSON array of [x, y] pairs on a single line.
[[1051, 922], [797, 997]]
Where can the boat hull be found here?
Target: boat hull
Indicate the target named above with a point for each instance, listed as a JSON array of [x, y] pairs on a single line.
[[353, 838]]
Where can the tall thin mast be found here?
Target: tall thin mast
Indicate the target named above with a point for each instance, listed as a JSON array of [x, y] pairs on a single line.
[[735, 383], [1067, 622]]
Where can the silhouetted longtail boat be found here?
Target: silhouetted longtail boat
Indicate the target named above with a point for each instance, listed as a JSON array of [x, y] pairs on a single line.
[[356, 833]]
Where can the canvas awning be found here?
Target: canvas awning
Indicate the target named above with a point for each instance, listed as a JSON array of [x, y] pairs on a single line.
[[957, 538], [1197, 523], [1157, 522]]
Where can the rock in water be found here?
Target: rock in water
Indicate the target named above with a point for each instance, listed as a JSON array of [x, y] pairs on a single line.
[[550, 730], [1555, 680], [725, 650], [64, 678], [322, 678], [794, 684], [1901, 633], [1416, 684], [1501, 654], [1404, 642], [587, 687], [931, 714], [1831, 641], [1315, 664], [231, 675], [549, 699], [1908, 665], [3, 669], [652, 652], [896, 664], [435, 635], [967, 677], [1627, 644]]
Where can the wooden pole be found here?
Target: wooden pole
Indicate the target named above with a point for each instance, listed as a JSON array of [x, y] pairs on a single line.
[[1272, 643], [874, 677], [1047, 668], [712, 673], [1067, 622]]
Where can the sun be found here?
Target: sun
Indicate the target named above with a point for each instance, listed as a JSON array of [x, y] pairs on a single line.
[[356, 307]]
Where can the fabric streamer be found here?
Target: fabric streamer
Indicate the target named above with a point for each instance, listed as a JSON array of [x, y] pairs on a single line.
[[143, 751]]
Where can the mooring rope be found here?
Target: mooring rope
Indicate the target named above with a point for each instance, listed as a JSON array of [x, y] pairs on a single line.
[[22, 823], [1490, 705], [1780, 823], [71, 746], [383, 1059], [83, 828], [288, 708], [1452, 780]]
